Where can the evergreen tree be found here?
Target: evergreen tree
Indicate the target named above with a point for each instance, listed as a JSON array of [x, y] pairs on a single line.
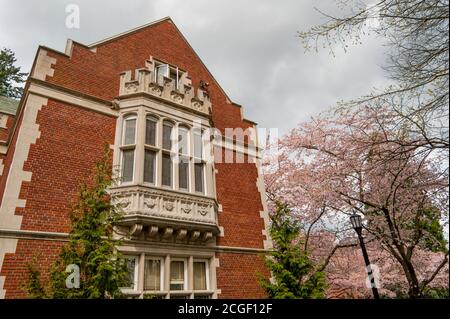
[[10, 75], [294, 273], [91, 247]]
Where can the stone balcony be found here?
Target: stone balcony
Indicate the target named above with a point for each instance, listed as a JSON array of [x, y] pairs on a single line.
[[144, 82], [158, 214]]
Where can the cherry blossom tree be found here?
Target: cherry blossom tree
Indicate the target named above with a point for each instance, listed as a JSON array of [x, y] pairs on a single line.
[[359, 161]]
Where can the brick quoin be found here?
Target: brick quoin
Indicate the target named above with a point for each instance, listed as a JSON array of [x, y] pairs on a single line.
[[72, 139]]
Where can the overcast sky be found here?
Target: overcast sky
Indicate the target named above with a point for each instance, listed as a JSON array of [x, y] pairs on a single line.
[[250, 47]]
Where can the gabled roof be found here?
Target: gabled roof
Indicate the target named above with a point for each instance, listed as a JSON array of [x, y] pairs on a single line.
[[93, 45], [151, 24], [8, 105]]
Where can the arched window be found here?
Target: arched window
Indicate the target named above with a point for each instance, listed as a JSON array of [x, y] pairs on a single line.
[[128, 148]]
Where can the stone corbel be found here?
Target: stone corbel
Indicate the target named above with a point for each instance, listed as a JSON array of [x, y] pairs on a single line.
[[168, 232], [207, 236], [195, 234], [181, 234], [153, 231], [136, 229]]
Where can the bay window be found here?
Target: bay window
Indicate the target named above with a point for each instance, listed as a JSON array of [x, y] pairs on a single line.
[[162, 153]]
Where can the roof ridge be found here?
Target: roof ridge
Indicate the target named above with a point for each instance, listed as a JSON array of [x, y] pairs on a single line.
[[92, 45]]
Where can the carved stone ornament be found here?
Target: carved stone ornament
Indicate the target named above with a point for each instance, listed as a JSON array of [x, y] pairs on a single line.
[[131, 87], [186, 208], [177, 97], [168, 206], [155, 89], [123, 204], [150, 203], [203, 210]]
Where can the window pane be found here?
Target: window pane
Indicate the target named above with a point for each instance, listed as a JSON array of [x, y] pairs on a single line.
[[127, 165], [177, 275], [183, 174], [167, 132], [175, 79], [198, 147], [152, 280], [149, 166], [130, 131], [131, 266], [161, 71], [150, 132], [183, 141], [199, 276], [166, 170], [199, 177]]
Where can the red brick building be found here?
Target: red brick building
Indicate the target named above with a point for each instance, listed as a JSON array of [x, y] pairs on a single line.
[[195, 215]]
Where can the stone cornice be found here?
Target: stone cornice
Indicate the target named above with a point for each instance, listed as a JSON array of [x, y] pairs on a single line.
[[57, 236]]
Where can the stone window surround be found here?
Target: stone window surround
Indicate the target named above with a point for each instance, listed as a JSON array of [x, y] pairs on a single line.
[[165, 292], [142, 112]]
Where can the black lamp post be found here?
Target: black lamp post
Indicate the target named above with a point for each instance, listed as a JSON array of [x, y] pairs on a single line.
[[355, 219]]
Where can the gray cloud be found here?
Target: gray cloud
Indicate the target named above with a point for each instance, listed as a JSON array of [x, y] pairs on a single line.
[[250, 46]]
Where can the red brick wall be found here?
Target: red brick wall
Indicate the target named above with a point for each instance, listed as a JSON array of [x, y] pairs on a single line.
[[241, 204], [15, 266], [237, 276], [71, 142]]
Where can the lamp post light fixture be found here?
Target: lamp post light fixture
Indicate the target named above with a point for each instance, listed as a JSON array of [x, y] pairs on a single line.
[[356, 221]]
